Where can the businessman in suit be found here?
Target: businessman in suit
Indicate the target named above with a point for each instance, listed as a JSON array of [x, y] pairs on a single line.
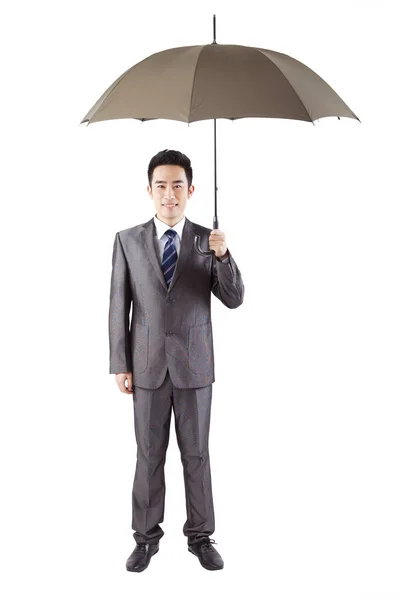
[[163, 355]]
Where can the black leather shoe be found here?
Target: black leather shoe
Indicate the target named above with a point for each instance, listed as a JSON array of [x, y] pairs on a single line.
[[208, 556], [140, 557]]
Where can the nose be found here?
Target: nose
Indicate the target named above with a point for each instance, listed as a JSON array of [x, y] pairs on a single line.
[[169, 194]]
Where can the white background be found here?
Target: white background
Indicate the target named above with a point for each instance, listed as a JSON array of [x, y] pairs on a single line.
[[304, 440]]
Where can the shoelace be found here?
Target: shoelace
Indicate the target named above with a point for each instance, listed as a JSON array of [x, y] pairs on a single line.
[[207, 545]]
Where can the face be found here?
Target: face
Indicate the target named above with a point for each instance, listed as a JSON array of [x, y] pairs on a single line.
[[170, 192]]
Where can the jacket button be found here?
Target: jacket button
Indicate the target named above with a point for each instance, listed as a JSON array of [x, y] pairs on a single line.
[[168, 332]]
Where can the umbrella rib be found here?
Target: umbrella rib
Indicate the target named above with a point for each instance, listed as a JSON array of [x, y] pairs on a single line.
[[283, 75], [109, 90], [194, 76], [117, 82]]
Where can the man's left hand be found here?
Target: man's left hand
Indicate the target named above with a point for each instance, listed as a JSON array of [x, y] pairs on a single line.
[[217, 242]]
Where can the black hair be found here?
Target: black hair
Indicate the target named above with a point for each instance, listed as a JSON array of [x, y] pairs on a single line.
[[170, 157]]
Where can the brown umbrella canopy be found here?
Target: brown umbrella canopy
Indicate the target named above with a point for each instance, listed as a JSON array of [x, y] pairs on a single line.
[[193, 83]]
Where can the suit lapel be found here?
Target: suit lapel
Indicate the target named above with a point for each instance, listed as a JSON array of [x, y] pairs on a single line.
[[150, 242]]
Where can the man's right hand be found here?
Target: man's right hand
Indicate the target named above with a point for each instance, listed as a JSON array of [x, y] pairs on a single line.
[[120, 378]]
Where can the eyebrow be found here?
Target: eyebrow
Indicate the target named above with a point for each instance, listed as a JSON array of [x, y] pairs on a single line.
[[162, 181]]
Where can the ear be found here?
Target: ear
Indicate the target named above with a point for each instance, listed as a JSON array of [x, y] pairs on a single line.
[[149, 190], [190, 191]]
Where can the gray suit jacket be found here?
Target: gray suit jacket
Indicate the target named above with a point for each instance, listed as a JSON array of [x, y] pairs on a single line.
[[169, 327]]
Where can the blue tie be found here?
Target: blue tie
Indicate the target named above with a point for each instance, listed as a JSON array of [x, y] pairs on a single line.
[[170, 256]]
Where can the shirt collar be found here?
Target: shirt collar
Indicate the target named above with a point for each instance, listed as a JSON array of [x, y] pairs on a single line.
[[162, 227]]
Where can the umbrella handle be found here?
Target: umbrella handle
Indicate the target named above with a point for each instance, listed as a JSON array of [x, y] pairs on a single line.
[[197, 241], [199, 250]]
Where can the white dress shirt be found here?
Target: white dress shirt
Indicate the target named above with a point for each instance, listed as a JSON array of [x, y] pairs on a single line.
[[162, 227]]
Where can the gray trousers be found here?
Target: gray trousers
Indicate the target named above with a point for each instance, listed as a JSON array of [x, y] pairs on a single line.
[[152, 417]]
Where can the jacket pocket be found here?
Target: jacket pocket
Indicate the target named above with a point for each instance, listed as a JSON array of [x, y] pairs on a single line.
[[200, 350], [140, 347]]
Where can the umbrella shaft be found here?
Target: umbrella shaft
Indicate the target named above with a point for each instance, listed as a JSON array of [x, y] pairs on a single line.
[[215, 220], [214, 27]]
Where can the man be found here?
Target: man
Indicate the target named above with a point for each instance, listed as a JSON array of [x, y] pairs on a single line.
[[164, 355]]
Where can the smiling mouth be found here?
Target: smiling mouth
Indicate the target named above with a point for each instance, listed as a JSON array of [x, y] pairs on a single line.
[[170, 205]]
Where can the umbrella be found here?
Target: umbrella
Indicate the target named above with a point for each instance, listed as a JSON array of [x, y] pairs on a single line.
[[218, 81]]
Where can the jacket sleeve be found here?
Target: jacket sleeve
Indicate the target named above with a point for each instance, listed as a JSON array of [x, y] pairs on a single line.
[[227, 284], [118, 317]]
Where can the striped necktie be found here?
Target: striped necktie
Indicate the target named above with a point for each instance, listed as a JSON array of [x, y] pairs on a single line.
[[170, 256]]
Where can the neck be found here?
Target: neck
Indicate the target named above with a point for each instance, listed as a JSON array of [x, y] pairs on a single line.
[[170, 222]]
